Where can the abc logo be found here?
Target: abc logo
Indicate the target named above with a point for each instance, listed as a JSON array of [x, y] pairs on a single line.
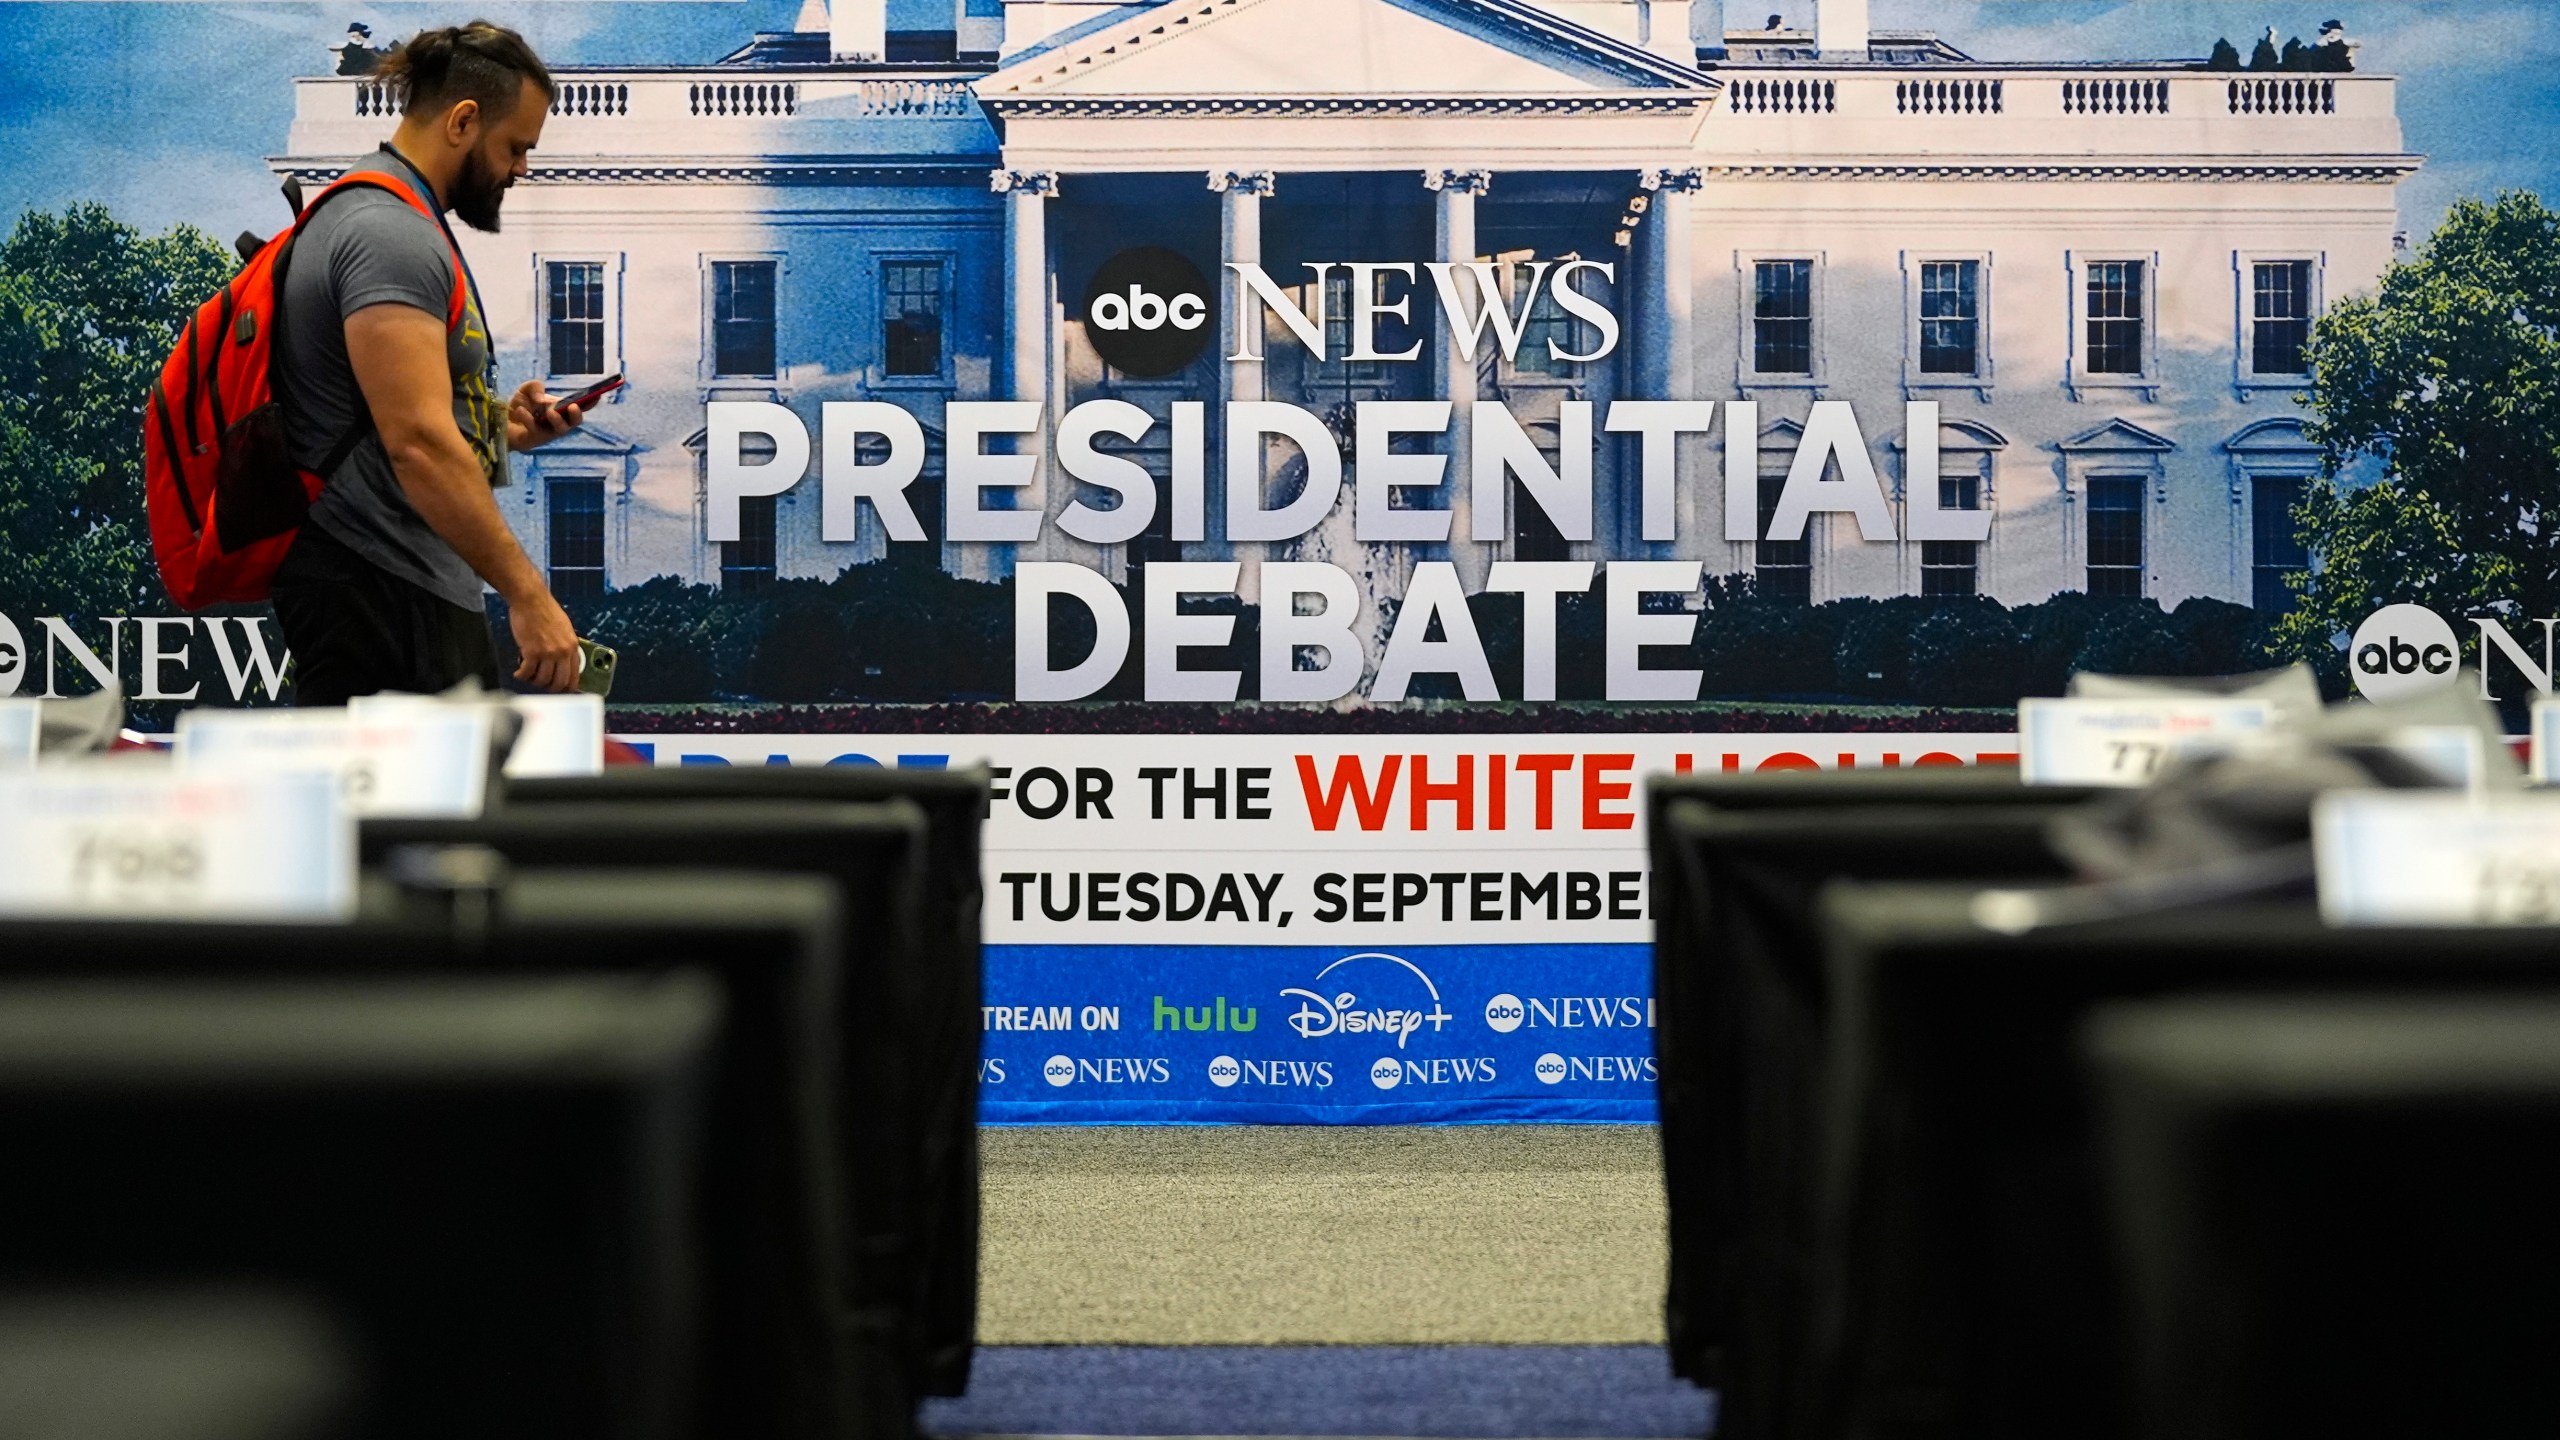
[[1144, 309], [1225, 1072], [1059, 1070], [2403, 650], [1550, 1068], [13, 656], [1504, 1013], [1387, 1073], [1149, 312]]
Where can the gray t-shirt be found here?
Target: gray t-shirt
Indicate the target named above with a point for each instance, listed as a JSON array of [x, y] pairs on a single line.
[[367, 247]]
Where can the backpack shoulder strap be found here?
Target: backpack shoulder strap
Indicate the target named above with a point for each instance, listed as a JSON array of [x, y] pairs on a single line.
[[362, 426], [380, 180]]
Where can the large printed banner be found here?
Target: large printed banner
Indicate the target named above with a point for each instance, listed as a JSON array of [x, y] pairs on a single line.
[[1323, 454], [1303, 929]]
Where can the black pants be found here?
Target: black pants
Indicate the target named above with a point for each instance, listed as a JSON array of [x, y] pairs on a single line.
[[356, 629]]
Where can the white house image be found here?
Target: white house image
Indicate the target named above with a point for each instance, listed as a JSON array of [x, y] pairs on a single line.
[[2101, 272]]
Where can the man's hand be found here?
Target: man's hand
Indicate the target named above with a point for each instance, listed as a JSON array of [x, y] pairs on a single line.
[[547, 641], [535, 419]]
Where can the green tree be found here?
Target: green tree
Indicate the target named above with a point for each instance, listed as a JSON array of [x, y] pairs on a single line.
[[89, 307], [2449, 377]]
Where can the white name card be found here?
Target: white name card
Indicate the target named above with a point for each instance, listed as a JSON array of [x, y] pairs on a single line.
[[20, 723], [132, 838], [2411, 857], [2124, 741], [413, 761], [2546, 742], [562, 734], [2458, 753]]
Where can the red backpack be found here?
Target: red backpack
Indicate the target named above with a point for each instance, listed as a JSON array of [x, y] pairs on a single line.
[[225, 496]]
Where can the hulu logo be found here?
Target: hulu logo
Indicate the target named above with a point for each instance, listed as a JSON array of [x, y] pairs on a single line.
[[1205, 1017]]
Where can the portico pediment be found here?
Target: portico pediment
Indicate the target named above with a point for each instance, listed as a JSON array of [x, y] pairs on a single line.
[[1332, 56], [2118, 436], [589, 440]]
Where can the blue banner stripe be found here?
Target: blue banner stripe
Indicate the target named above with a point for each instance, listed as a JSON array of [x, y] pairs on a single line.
[[1317, 1035]]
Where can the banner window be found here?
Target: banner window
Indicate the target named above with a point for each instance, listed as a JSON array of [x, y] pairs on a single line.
[[2115, 535], [577, 537]]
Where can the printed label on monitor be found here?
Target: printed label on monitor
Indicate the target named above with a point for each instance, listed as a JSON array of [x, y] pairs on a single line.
[[561, 734], [2126, 741], [425, 760], [19, 724], [2396, 857], [133, 839]]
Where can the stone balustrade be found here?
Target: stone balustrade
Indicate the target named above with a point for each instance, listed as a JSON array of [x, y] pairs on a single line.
[[1814, 113], [1968, 96], [2283, 95], [2143, 96], [675, 112], [589, 98], [1807, 112], [1782, 95]]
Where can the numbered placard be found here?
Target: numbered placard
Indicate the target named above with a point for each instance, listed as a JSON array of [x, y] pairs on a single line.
[[2546, 742], [21, 721], [2458, 753], [418, 760], [2409, 857], [562, 734], [2124, 741], [130, 838]]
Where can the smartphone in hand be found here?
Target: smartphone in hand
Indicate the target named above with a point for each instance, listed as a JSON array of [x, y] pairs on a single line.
[[595, 667], [586, 399]]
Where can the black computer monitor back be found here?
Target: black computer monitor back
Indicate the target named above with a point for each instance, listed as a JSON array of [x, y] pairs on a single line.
[[768, 1214], [943, 1018], [2334, 1213], [873, 855], [1967, 1288], [1738, 987], [479, 1188]]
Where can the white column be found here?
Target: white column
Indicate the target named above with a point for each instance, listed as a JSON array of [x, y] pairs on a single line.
[[1240, 195], [1648, 329], [1617, 458], [1453, 230], [1666, 357], [1026, 280], [1026, 286], [1663, 285]]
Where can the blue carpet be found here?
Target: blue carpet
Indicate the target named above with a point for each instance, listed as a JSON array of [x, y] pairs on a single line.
[[1382, 1390]]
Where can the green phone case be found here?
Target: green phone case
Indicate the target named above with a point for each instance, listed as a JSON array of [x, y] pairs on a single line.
[[595, 667]]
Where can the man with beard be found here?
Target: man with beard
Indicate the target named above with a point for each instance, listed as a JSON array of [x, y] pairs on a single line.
[[399, 411]]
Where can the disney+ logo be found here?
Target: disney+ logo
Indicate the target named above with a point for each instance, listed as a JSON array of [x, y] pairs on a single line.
[[1328, 1010]]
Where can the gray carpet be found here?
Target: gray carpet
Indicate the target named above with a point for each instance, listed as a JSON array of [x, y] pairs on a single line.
[[1275, 1235]]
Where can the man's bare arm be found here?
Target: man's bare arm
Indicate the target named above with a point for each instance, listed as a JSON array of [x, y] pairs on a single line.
[[398, 352]]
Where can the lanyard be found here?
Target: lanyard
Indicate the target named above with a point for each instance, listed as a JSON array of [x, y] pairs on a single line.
[[435, 207]]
